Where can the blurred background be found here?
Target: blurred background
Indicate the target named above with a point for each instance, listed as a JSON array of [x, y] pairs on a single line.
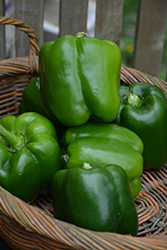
[[127, 37], [51, 21]]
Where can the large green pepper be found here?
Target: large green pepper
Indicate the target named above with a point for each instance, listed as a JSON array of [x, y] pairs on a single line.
[[95, 198], [143, 109], [31, 101], [100, 143], [29, 155], [80, 77]]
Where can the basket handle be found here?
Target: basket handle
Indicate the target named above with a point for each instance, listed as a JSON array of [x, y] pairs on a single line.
[[33, 60]]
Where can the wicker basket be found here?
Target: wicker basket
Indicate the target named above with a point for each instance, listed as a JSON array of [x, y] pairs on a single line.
[[32, 226]]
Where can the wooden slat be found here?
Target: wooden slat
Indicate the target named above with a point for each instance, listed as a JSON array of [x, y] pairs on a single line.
[[30, 12], [149, 38], [109, 19], [73, 16], [2, 31]]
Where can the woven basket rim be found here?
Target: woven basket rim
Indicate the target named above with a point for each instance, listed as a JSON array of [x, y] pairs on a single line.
[[34, 48]]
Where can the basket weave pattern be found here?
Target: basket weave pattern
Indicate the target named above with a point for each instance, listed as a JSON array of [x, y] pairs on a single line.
[[32, 226]]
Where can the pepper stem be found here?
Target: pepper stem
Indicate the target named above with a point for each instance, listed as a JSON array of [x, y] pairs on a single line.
[[13, 142], [134, 100], [80, 34], [65, 158], [86, 165]]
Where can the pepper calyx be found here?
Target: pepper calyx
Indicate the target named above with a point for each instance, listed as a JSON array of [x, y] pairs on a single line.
[[13, 141], [65, 158], [80, 34], [132, 99], [86, 165]]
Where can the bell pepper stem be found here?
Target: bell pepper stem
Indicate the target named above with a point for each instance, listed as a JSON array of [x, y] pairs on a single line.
[[12, 141], [86, 165], [80, 34], [134, 100], [65, 157]]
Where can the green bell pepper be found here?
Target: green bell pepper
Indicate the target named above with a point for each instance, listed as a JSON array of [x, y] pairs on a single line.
[[22, 108], [31, 101], [29, 155], [80, 77], [100, 143], [95, 198], [143, 109]]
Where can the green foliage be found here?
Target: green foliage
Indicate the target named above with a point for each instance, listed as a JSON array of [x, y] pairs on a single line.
[[128, 31], [128, 36]]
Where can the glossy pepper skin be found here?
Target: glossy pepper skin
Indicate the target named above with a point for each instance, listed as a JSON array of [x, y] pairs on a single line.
[[29, 155], [95, 198], [31, 101], [143, 109], [100, 143], [80, 77]]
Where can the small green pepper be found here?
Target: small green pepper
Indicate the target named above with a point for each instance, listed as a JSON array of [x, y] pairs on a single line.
[[143, 109], [29, 155], [95, 198]]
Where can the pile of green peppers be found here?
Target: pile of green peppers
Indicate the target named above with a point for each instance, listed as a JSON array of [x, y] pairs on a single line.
[[82, 137]]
